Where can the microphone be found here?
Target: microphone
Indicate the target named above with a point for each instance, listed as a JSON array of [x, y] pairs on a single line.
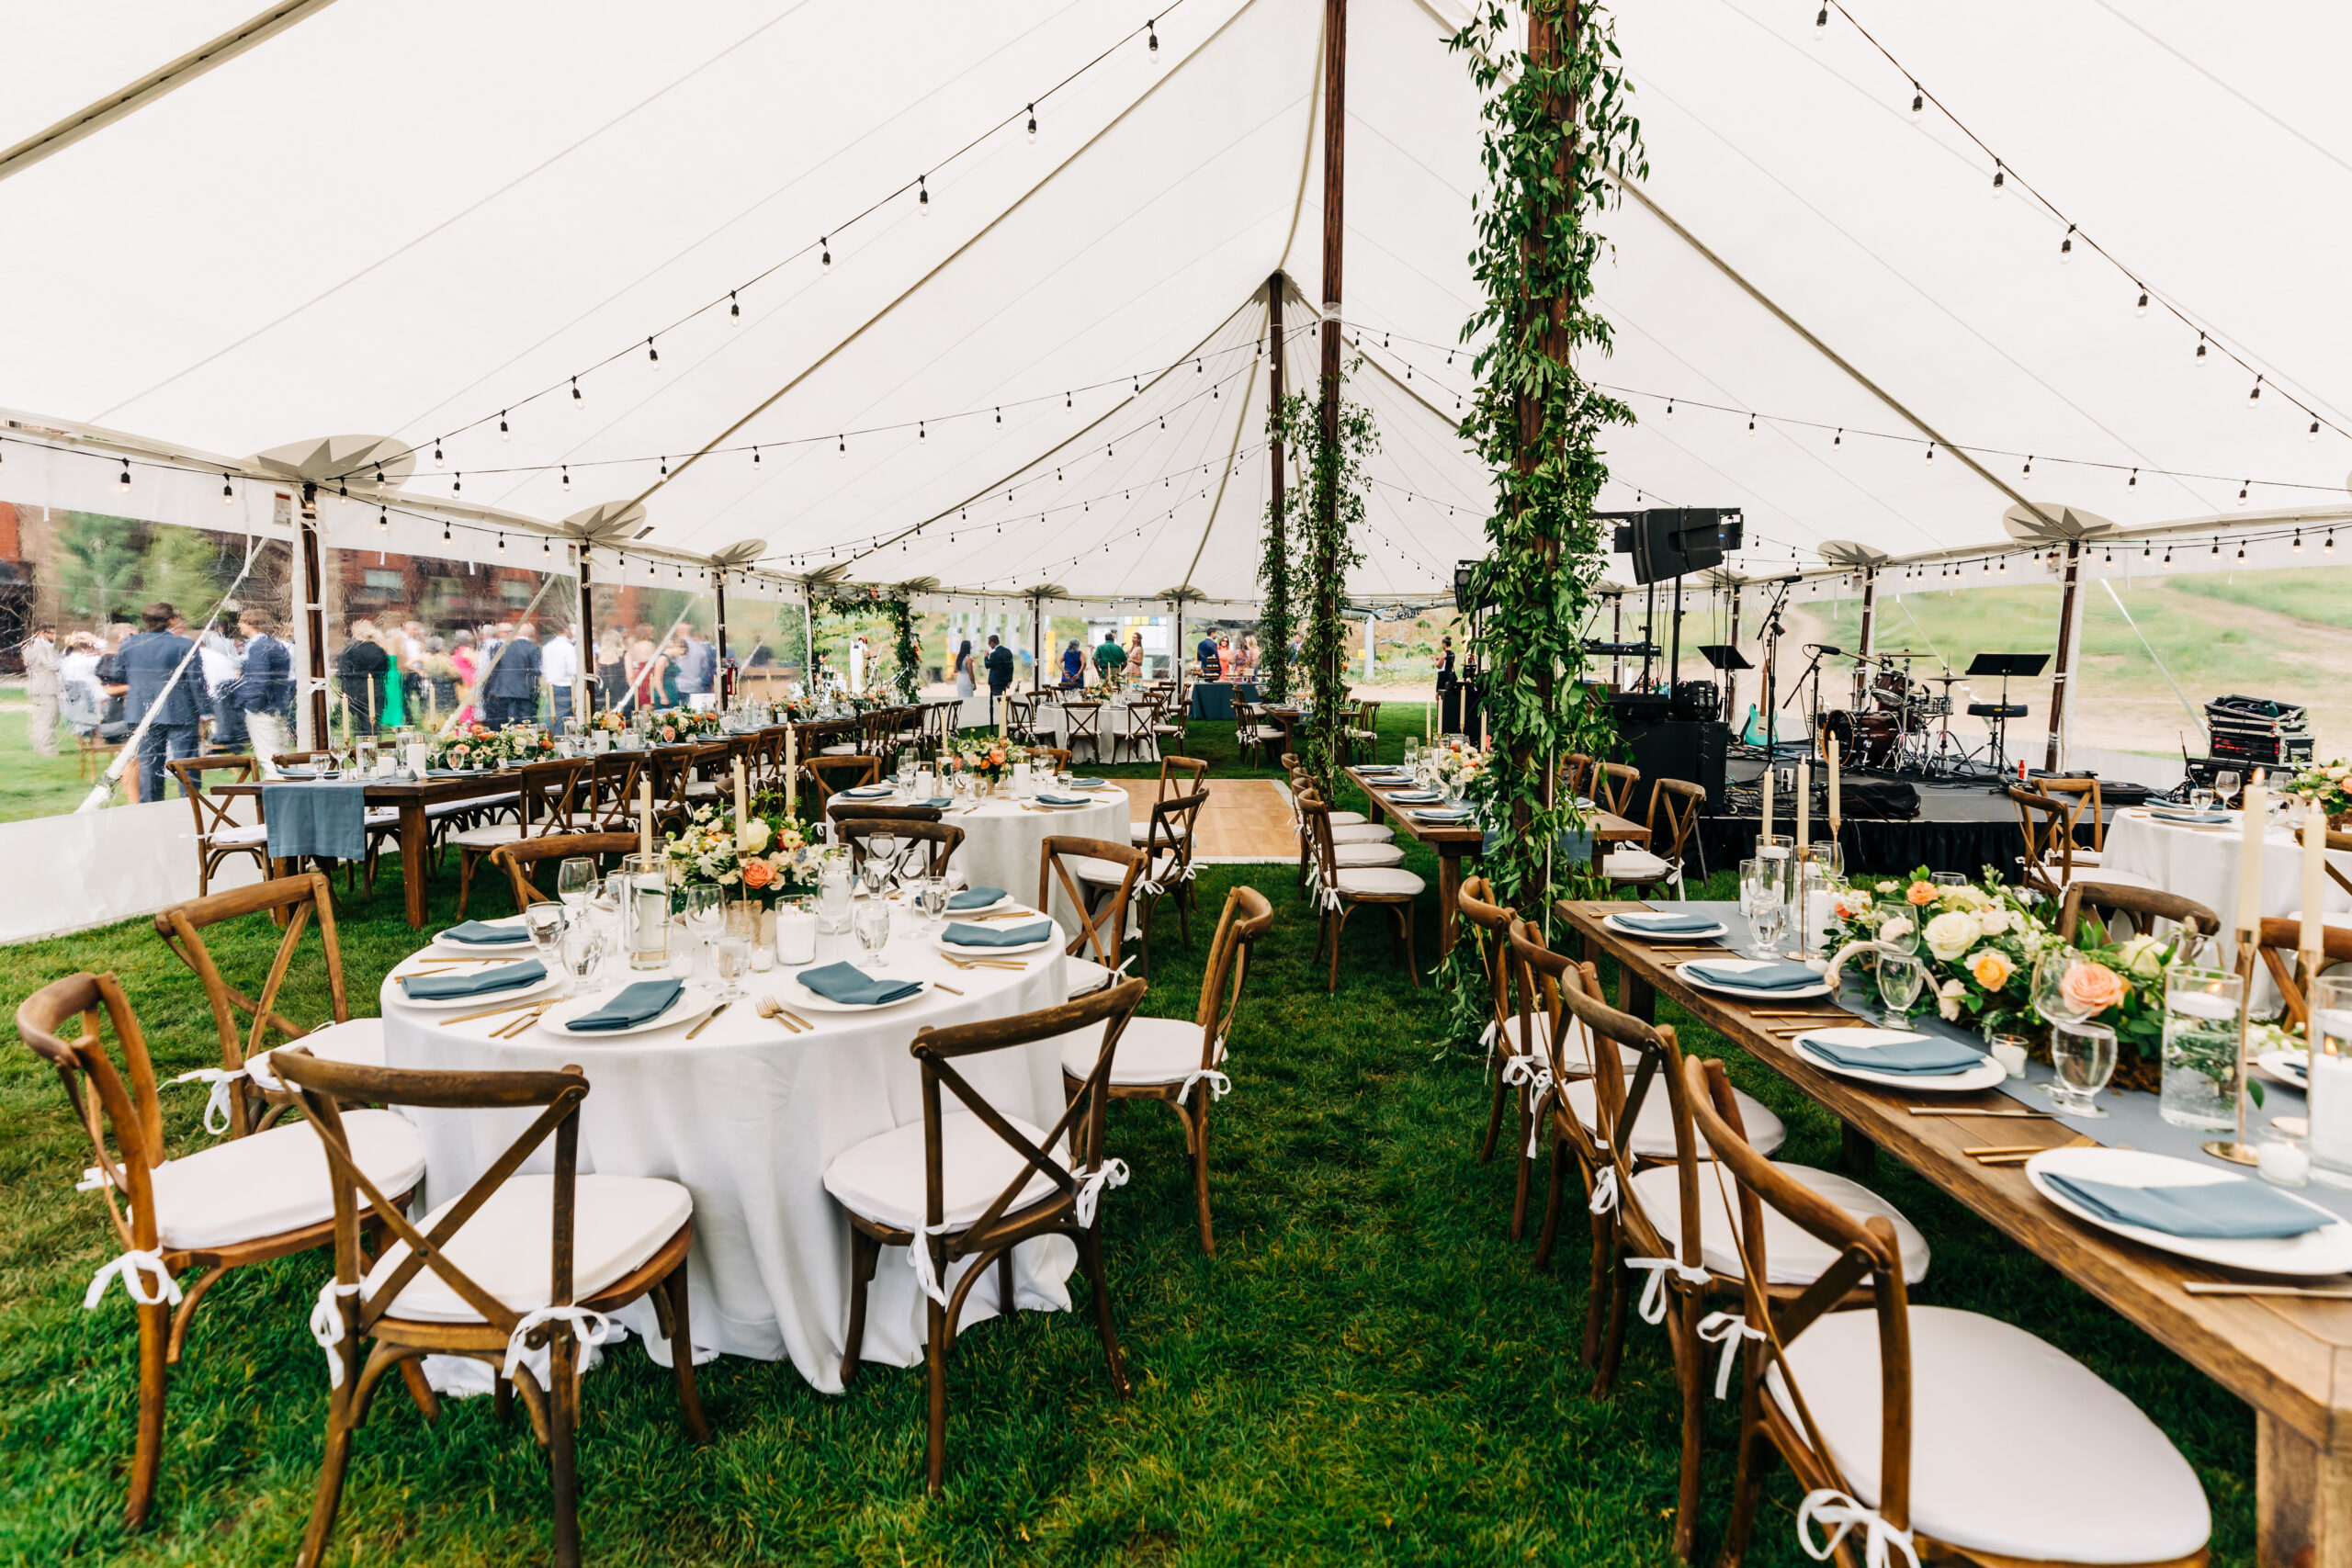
[[1823, 648]]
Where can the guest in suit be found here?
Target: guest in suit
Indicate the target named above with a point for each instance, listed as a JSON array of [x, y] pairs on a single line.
[[265, 690], [511, 691], [147, 660], [362, 667], [999, 671], [1212, 668]]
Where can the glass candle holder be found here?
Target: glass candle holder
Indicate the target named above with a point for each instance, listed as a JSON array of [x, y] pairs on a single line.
[[644, 915], [2331, 1081], [2200, 1048], [796, 932]]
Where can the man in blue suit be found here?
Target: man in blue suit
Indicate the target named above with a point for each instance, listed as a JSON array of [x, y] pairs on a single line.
[[511, 695], [147, 661]]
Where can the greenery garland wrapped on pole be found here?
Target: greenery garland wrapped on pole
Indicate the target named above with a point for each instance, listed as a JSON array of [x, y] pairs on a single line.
[[1323, 514], [1558, 129], [897, 604]]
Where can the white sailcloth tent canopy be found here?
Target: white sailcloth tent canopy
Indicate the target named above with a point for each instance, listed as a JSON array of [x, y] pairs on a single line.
[[818, 286]]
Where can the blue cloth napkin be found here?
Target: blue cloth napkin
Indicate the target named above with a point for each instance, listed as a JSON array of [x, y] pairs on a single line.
[[1666, 922], [1415, 796], [1927, 1058], [329, 820], [639, 1003], [482, 983], [2239, 1210], [848, 984], [1062, 800], [963, 935], [1770, 977], [1086, 783], [1459, 814], [974, 899], [479, 933]]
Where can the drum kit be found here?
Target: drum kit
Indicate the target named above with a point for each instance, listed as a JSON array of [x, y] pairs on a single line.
[[1901, 726]]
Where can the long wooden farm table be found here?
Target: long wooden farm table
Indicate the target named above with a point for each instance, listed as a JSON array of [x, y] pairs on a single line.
[[2290, 1359]]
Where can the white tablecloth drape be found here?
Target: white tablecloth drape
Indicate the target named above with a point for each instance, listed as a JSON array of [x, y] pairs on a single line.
[[1004, 841], [1110, 719], [2203, 863], [746, 1117]]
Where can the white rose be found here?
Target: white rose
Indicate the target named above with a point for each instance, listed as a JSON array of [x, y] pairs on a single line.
[[1994, 919], [1895, 929], [1890, 888], [1950, 935], [2143, 956], [755, 835], [1948, 999]]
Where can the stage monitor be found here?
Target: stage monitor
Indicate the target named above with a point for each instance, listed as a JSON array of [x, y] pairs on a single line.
[[1673, 541], [1461, 598]]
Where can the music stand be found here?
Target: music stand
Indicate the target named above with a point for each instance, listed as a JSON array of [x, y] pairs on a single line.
[[2024, 666], [1724, 657]]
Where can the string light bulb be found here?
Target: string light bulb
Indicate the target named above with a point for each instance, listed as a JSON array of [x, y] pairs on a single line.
[[1931, 451], [1033, 124], [575, 393], [2253, 398], [2217, 548], [2133, 482], [2242, 489], [2028, 462], [2314, 432], [1919, 103], [1751, 424], [755, 456], [2141, 308], [1838, 439], [653, 355], [439, 460], [825, 250], [734, 309], [122, 481], [503, 433], [843, 439], [2298, 546], [567, 479], [445, 530], [2167, 557], [2241, 550], [228, 494], [1821, 23], [2000, 179], [922, 196], [2327, 546], [383, 519], [458, 484], [502, 544], [1152, 29], [2200, 350], [1669, 408], [2066, 246]]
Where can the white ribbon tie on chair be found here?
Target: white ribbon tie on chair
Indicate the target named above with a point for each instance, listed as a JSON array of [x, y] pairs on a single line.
[[1729, 1328], [1831, 1506], [1652, 1305], [326, 1325], [94, 1179], [919, 1258], [217, 1105], [1219, 1085], [590, 1328], [128, 1269], [1604, 1191], [1537, 1078], [1110, 1173]]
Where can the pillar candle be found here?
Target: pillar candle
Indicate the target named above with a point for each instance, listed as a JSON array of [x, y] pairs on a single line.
[[743, 804], [1003, 712], [2257, 810], [1767, 798], [2312, 939], [1836, 809], [645, 815], [792, 773], [1805, 804]]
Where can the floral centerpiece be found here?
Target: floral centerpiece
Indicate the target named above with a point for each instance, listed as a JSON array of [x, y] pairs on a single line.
[[1980, 944], [468, 748], [673, 725], [991, 762], [1456, 764], [766, 856], [2330, 784]]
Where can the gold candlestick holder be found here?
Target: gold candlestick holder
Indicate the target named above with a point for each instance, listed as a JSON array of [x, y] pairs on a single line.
[[2235, 1149]]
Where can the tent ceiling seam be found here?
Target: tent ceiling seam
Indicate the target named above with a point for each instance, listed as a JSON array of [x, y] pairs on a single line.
[[1225, 474]]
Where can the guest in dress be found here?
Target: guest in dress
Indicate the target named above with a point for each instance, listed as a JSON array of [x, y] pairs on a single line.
[[467, 659], [644, 676], [1073, 667], [42, 690], [675, 654], [965, 682], [439, 682], [611, 668], [393, 715]]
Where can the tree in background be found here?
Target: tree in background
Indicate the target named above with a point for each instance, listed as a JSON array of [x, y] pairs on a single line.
[[98, 569]]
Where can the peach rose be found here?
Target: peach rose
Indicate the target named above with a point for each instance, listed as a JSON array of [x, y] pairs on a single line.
[[2093, 987], [1922, 894], [1990, 968], [758, 874]]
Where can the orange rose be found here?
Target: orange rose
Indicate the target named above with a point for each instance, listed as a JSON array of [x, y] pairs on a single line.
[[2093, 987], [1922, 894], [758, 874]]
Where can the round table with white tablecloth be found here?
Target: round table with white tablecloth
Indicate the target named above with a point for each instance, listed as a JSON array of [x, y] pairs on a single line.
[[747, 1116], [1005, 839], [2202, 862], [1110, 719]]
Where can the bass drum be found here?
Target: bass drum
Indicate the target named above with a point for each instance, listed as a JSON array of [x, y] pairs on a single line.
[[1865, 739]]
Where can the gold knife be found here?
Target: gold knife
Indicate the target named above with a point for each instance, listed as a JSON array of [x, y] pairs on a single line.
[[714, 1013]]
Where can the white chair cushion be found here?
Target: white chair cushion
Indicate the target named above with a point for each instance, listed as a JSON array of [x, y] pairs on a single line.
[[618, 1222], [1082, 976], [382, 816], [1633, 865], [1096, 873], [1151, 1051], [2108, 875], [882, 1178], [702, 789], [1350, 820], [235, 837], [1379, 882], [489, 836], [1976, 1382], [1140, 832], [242, 1187], [1355, 856], [845, 749], [1791, 1254], [1363, 833], [1654, 1130], [2082, 857], [357, 1042], [2327, 918], [479, 803]]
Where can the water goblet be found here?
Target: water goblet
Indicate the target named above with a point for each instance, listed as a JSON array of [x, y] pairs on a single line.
[[2083, 1055], [881, 859], [1900, 976], [574, 878], [731, 957], [872, 922], [1897, 925], [2049, 991]]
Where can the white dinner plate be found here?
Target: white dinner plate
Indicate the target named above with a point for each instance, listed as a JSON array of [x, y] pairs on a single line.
[[2327, 1250], [485, 999], [693, 1005], [962, 952], [2288, 1067], [802, 996], [448, 944], [1073, 806], [1985, 1076], [1799, 993], [1717, 928], [1007, 902]]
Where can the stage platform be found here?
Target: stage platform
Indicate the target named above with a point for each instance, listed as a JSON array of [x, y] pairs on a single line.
[[1961, 827]]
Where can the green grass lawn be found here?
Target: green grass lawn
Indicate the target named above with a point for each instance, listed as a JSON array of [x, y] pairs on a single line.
[[1369, 1371], [31, 785]]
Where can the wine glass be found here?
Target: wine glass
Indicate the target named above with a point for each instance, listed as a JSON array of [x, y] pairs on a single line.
[[575, 880], [872, 923], [1900, 976], [2226, 784], [2049, 991], [2083, 1056], [881, 857], [731, 959], [1897, 925]]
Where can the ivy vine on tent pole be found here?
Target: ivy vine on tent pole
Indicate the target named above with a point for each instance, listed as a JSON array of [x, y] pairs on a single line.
[[1558, 131], [1323, 514], [1277, 620]]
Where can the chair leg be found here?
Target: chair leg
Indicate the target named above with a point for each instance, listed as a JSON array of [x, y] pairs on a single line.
[[1525, 1163], [1612, 1343], [154, 1375], [864, 1250], [1688, 1369], [681, 1355], [1337, 922], [420, 1393], [465, 878], [1596, 1301], [1005, 1297], [934, 1357], [1090, 1256], [329, 1499], [1551, 1195], [563, 1463], [1405, 923], [1199, 1128], [1494, 1121], [1746, 1479]]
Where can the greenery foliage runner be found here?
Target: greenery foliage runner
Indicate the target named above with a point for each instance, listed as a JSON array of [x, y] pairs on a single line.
[[1334, 470], [1557, 128]]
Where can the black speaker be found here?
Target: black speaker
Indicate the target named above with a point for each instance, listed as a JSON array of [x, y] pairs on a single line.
[[1679, 748], [1673, 541]]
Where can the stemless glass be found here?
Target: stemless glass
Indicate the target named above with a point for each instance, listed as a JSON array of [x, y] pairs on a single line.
[[2200, 800], [2330, 1034], [1899, 978], [834, 890], [872, 922], [1766, 922], [583, 952], [906, 772], [731, 957], [546, 924], [933, 901], [1947, 879], [2083, 1055], [573, 879]]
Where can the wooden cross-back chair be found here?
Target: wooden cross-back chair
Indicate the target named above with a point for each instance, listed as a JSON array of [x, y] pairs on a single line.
[[1250, 736], [1190, 776], [470, 1279], [1357, 844], [245, 1201], [1880, 1413], [219, 835], [1140, 738], [1338, 890], [1573, 778], [830, 775], [1181, 1062], [520, 860], [1082, 721], [1364, 733], [1021, 717], [1099, 878], [2280, 956], [2049, 864], [245, 1094], [1613, 786], [710, 772], [1658, 862], [1167, 843], [2082, 798], [609, 805], [1170, 719], [2115, 903], [548, 795], [939, 841], [1513, 1032], [985, 1182]]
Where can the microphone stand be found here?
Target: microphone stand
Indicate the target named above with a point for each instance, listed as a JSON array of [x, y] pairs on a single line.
[[1769, 634]]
